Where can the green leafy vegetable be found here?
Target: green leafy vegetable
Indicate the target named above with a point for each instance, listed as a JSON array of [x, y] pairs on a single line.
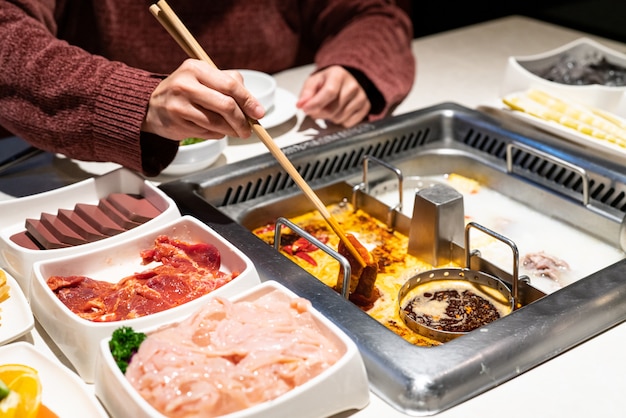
[[189, 141], [124, 343]]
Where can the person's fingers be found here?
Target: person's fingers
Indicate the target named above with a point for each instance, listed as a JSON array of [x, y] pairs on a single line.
[[335, 95], [200, 100], [318, 93], [229, 97], [310, 87], [353, 113], [234, 74], [354, 105]]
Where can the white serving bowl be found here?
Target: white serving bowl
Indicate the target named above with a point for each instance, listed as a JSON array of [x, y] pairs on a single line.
[[19, 260], [520, 75], [195, 157], [341, 387], [261, 85], [79, 338]]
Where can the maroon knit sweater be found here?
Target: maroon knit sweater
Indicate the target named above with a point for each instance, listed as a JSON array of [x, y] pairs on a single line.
[[76, 75]]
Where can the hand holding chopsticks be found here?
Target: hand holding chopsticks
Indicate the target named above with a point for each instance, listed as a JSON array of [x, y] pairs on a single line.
[[168, 19]]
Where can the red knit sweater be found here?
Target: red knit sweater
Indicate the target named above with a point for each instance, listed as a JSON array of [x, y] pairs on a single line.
[[76, 75]]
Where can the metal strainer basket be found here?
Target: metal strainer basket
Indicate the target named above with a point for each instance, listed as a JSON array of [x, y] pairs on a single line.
[[484, 297]]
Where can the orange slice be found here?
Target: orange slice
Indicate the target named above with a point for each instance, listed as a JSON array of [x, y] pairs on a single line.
[[25, 391]]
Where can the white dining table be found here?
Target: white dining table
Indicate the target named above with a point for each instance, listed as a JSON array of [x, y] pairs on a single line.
[[466, 66]]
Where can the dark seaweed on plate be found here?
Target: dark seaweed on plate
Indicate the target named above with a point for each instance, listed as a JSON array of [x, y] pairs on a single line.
[[594, 69]]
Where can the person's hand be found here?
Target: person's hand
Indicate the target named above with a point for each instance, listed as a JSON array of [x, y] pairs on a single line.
[[199, 101], [335, 95]]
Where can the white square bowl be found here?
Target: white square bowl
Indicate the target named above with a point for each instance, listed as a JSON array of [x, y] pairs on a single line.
[[341, 387], [19, 260], [521, 75], [78, 338]]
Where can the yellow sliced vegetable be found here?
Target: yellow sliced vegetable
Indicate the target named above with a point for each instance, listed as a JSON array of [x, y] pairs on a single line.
[[4, 287], [586, 120]]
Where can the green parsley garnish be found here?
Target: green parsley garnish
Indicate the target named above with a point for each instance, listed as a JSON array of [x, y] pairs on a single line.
[[124, 343]]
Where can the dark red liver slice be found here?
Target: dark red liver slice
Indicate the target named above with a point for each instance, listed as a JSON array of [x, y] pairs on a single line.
[[94, 216], [115, 215], [135, 208], [60, 230], [44, 237], [79, 225], [25, 240]]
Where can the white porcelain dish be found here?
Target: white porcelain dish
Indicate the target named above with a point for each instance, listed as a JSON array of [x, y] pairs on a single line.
[[341, 387], [520, 75], [284, 109], [19, 260], [16, 318], [63, 392], [195, 157], [78, 338]]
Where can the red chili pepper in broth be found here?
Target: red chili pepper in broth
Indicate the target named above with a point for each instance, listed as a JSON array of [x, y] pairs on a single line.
[[301, 247], [302, 244], [306, 258], [267, 228]]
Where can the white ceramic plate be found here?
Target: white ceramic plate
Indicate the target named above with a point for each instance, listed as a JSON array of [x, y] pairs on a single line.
[[16, 318], [283, 110], [63, 392], [604, 149]]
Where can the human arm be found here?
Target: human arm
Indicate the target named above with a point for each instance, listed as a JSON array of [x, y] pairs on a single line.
[[64, 99], [371, 40]]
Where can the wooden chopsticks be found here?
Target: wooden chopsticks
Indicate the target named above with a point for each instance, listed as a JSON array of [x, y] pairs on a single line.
[[168, 19]]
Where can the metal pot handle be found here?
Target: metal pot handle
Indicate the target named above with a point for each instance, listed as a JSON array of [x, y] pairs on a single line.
[[364, 187], [558, 161], [505, 240], [347, 270]]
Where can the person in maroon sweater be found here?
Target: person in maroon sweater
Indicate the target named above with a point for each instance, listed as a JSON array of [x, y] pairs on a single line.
[[103, 81]]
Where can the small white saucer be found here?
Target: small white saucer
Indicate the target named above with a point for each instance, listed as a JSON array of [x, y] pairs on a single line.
[[284, 109]]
